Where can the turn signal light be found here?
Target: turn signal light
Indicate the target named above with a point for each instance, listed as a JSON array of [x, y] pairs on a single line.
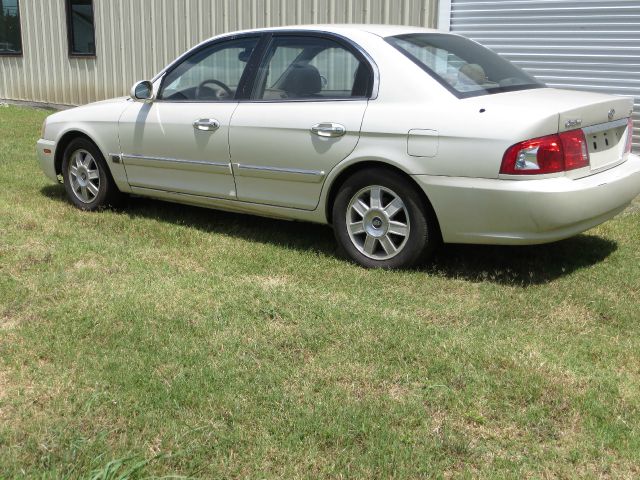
[[549, 154]]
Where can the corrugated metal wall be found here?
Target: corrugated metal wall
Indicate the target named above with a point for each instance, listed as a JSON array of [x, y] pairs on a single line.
[[136, 38], [585, 45]]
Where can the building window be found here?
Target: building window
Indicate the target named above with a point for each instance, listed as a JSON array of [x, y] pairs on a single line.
[[80, 29], [10, 38]]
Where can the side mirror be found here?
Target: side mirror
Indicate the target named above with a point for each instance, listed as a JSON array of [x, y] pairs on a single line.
[[142, 91]]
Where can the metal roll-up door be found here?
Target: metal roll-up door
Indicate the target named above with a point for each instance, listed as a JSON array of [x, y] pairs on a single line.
[[584, 45]]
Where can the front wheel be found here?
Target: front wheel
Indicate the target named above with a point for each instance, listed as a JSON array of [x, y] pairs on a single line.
[[87, 180], [381, 221]]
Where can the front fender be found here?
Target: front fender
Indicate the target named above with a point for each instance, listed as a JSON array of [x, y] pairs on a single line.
[[98, 122]]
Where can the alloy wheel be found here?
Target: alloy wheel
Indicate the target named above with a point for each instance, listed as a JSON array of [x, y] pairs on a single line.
[[84, 176], [378, 222]]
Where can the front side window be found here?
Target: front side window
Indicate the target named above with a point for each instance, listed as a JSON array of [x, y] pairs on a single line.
[[10, 37], [80, 28], [464, 67], [311, 68], [210, 74]]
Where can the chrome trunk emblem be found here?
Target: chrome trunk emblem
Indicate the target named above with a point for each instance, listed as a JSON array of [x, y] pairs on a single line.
[[612, 113], [573, 123]]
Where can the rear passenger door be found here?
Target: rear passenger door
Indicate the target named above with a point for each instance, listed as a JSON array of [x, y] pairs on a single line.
[[303, 117]]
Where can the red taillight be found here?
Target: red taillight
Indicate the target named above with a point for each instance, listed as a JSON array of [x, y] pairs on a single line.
[[627, 147], [574, 146], [539, 155], [550, 154]]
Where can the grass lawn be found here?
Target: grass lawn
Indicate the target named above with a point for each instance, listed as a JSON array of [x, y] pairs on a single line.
[[165, 340]]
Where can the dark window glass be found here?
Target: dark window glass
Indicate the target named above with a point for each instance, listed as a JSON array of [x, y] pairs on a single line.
[[311, 68], [80, 27], [465, 67], [211, 74], [10, 41]]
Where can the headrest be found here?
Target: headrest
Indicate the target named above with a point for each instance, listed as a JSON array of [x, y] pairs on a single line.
[[302, 79], [471, 73]]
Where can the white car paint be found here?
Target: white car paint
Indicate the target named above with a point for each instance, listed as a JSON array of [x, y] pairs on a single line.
[[283, 142], [160, 131], [262, 159]]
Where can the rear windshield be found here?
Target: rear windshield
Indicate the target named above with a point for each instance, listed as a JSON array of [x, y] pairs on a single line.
[[464, 67]]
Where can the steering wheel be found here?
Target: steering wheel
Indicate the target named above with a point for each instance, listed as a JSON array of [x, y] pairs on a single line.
[[220, 84]]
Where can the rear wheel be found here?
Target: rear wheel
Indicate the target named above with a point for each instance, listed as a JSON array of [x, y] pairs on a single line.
[[381, 221], [87, 180]]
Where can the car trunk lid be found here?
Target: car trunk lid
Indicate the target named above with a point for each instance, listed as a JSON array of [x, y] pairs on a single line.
[[606, 143], [603, 120]]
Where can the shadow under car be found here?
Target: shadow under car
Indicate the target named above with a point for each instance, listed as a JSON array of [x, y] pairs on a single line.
[[513, 265]]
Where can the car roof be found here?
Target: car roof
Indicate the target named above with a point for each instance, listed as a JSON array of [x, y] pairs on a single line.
[[380, 30], [346, 28], [341, 29]]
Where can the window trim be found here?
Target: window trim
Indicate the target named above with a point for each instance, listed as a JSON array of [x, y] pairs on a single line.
[[246, 84], [348, 44], [246, 74], [21, 52], [70, 51]]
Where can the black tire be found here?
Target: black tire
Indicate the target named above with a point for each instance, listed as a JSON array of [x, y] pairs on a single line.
[[417, 216], [103, 191]]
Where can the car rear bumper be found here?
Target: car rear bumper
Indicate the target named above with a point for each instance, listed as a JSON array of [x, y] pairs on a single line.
[[520, 212], [47, 160]]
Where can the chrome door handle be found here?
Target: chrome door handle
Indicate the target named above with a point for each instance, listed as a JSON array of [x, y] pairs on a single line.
[[329, 129], [206, 124]]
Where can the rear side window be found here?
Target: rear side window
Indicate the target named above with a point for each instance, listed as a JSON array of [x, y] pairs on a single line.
[[464, 67], [338, 68], [282, 58], [311, 68]]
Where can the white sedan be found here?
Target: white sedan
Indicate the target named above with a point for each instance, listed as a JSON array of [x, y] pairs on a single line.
[[399, 137]]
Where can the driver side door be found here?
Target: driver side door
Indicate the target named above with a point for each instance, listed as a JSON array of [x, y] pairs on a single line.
[[179, 142]]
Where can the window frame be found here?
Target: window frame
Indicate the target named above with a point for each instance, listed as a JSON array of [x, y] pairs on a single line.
[[70, 32], [246, 74], [346, 43], [21, 52], [247, 81]]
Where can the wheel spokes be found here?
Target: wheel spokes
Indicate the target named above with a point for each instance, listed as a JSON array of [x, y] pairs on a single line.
[[78, 159], [84, 193], [84, 176], [370, 244], [92, 189], [398, 228], [360, 207], [393, 207], [378, 222], [356, 228], [388, 245], [376, 198]]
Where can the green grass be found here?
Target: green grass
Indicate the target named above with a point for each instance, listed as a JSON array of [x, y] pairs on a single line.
[[164, 340]]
